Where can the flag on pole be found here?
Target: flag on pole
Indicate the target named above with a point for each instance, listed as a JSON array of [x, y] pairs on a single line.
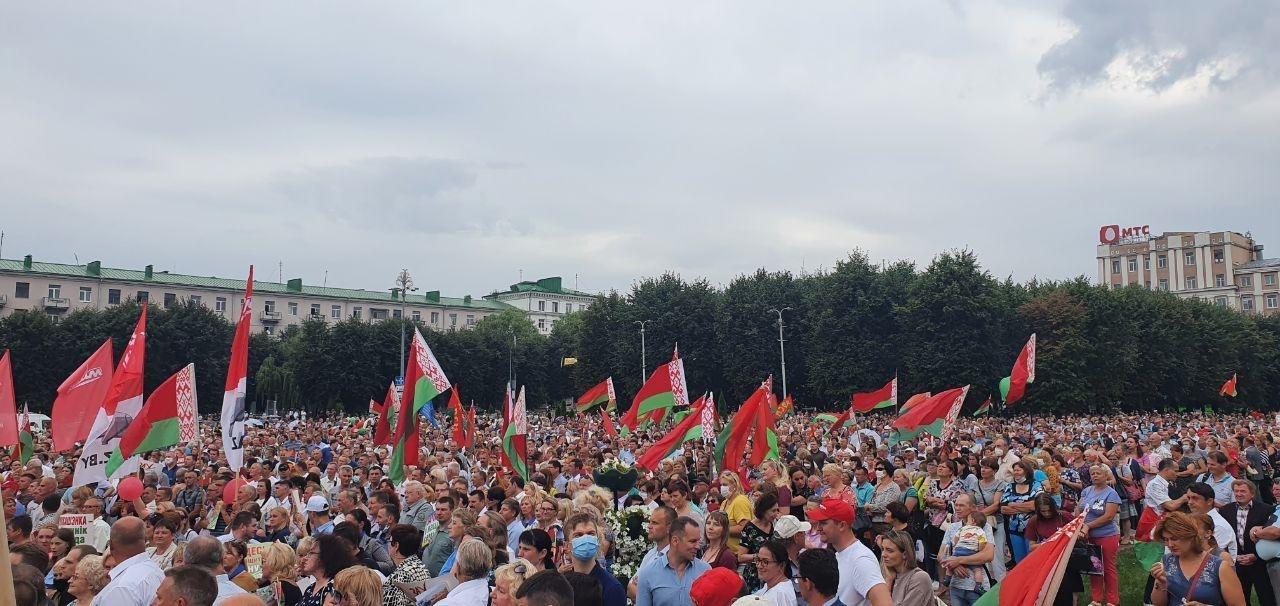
[[79, 398], [983, 410], [167, 418], [514, 434], [914, 400], [606, 424], [429, 411], [237, 385], [936, 416], [461, 436], [885, 397], [1014, 386], [1145, 547], [8, 404], [664, 390], [765, 444], [1035, 580], [731, 444], [709, 418], [1229, 388], [601, 394], [120, 407], [424, 380], [688, 429], [26, 443], [382, 428]]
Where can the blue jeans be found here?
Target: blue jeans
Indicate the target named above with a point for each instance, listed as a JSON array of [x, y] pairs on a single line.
[[1019, 545], [964, 597]]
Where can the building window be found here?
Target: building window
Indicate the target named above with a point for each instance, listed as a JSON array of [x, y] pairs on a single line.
[[86, 294], [220, 305], [555, 307], [1220, 301], [471, 320], [22, 290], [1269, 280], [568, 307], [1271, 301], [542, 306], [315, 310], [1115, 266], [1191, 282], [378, 314], [268, 306], [196, 299], [1133, 264], [170, 299], [542, 324], [395, 313], [1246, 303], [355, 312], [1162, 261], [435, 318], [1246, 280], [1164, 284], [113, 296], [1220, 280], [1189, 259], [335, 312], [269, 330], [143, 296], [55, 291], [293, 308], [1146, 263], [453, 320], [416, 316], [1217, 255]]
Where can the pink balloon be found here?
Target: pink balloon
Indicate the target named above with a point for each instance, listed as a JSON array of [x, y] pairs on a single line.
[[229, 492], [129, 488]]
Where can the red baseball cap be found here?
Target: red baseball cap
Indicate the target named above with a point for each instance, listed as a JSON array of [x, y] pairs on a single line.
[[832, 509], [716, 587]]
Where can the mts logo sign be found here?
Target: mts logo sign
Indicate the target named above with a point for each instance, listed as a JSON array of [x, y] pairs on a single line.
[[1114, 234]]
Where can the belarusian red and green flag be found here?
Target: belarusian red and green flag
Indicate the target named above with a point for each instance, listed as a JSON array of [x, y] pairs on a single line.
[[936, 416], [26, 442], [731, 444], [599, 395], [514, 436], [688, 429], [118, 410], [168, 418], [885, 397], [606, 424], [1229, 388], [765, 443], [913, 401], [983, 410], [664, 390], [382, 435], [1014, 386], [424, 379], [1035, 580]]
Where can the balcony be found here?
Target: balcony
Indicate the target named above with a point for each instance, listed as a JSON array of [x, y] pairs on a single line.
[[268, 316], [319, 317], [4, 300], [56, 303]]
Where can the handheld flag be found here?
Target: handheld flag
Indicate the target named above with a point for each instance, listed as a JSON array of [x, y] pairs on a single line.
[[731, 444], [601, 394], [1229, 388], [765, 444], [606, 423], [514, 436], [8, 404], [382, 429], [688, 429], [168, 418], [984, 409], [424, 380], [664, 390], [936, 416], [233, 396], [885, 397], [1035, 580], [1014, 386], [26, 444], [79, 398], [121, 406]]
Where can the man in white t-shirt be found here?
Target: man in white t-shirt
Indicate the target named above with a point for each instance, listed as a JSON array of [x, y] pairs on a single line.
[[861, 582], [1157, 490]]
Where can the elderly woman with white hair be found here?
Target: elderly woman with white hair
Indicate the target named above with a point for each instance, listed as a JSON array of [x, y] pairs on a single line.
[[472, 571]]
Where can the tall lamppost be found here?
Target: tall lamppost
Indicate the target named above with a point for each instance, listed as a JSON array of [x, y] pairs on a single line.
[[782, 348], [644, 365], [404, 286]]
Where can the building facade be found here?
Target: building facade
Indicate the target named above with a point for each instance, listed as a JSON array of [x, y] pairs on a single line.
[[544, 301], [58, 289], [1224, 268]]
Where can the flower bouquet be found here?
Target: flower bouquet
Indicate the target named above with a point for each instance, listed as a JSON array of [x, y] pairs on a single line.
[[631, 531]]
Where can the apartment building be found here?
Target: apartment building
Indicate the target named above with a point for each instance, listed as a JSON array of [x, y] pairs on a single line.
[[59, 288], [1224, 267], [544, 301]]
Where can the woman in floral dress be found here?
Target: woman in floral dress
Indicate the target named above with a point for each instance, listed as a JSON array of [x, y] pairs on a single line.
[[754, 535]]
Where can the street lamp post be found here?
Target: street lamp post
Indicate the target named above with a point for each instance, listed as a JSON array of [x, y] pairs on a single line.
[[644, 365], [782, 348], [404, 286]]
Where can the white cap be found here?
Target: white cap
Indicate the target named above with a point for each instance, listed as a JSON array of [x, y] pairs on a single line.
[[787, 526], [317, 504]]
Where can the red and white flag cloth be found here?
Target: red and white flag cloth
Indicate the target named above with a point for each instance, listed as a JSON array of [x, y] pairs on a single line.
[[233, 396], [119, 409], [8, 405], [79, 398]]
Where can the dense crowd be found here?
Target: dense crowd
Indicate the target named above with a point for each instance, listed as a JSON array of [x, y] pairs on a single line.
[[844, 516]]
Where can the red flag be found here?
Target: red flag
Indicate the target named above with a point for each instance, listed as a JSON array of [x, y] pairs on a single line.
[[237, 384], [885, 397], [374, 407], [8, 405], [471, 422], [663, 448], [382, 429], [1146, 524], [460, 435], [766, 440], [607, 423], [1035, 580], [79, 398], [1229, 388], [838, 426], [1024, 371], [732, 442]]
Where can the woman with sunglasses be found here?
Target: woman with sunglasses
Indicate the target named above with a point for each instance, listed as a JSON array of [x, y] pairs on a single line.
[[772, 567]]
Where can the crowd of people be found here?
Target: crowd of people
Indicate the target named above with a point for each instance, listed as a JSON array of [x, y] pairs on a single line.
[[843, 516]]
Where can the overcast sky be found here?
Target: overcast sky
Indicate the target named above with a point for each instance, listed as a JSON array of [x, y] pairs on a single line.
[[468, 141]]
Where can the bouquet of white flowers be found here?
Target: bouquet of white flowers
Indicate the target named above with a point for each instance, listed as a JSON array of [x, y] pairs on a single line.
[[631, 531]]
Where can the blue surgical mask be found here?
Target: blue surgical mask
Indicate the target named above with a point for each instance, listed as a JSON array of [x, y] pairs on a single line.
[[586, 547]]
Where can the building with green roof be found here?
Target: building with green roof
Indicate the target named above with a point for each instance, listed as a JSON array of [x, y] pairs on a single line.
[[544, 301]]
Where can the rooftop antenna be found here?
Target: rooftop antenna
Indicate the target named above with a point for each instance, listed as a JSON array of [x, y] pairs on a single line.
[[326, 278], [77, 257], [280, 271], [522, 275], [1, 244], [575, 281]]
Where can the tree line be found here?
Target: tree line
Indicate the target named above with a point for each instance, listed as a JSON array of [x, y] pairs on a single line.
[[848, 329]]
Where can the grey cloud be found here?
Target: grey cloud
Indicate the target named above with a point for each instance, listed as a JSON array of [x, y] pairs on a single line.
[[1164, 42]]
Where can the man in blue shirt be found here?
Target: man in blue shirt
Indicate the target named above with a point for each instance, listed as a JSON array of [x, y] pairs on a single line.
[[585, 546], [668, 580]]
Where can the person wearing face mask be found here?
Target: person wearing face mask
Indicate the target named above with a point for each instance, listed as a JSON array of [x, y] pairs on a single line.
[[886, 491], [584, 547], [736, 505]]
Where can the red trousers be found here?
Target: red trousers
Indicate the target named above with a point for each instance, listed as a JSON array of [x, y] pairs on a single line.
[[1108, 584]]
